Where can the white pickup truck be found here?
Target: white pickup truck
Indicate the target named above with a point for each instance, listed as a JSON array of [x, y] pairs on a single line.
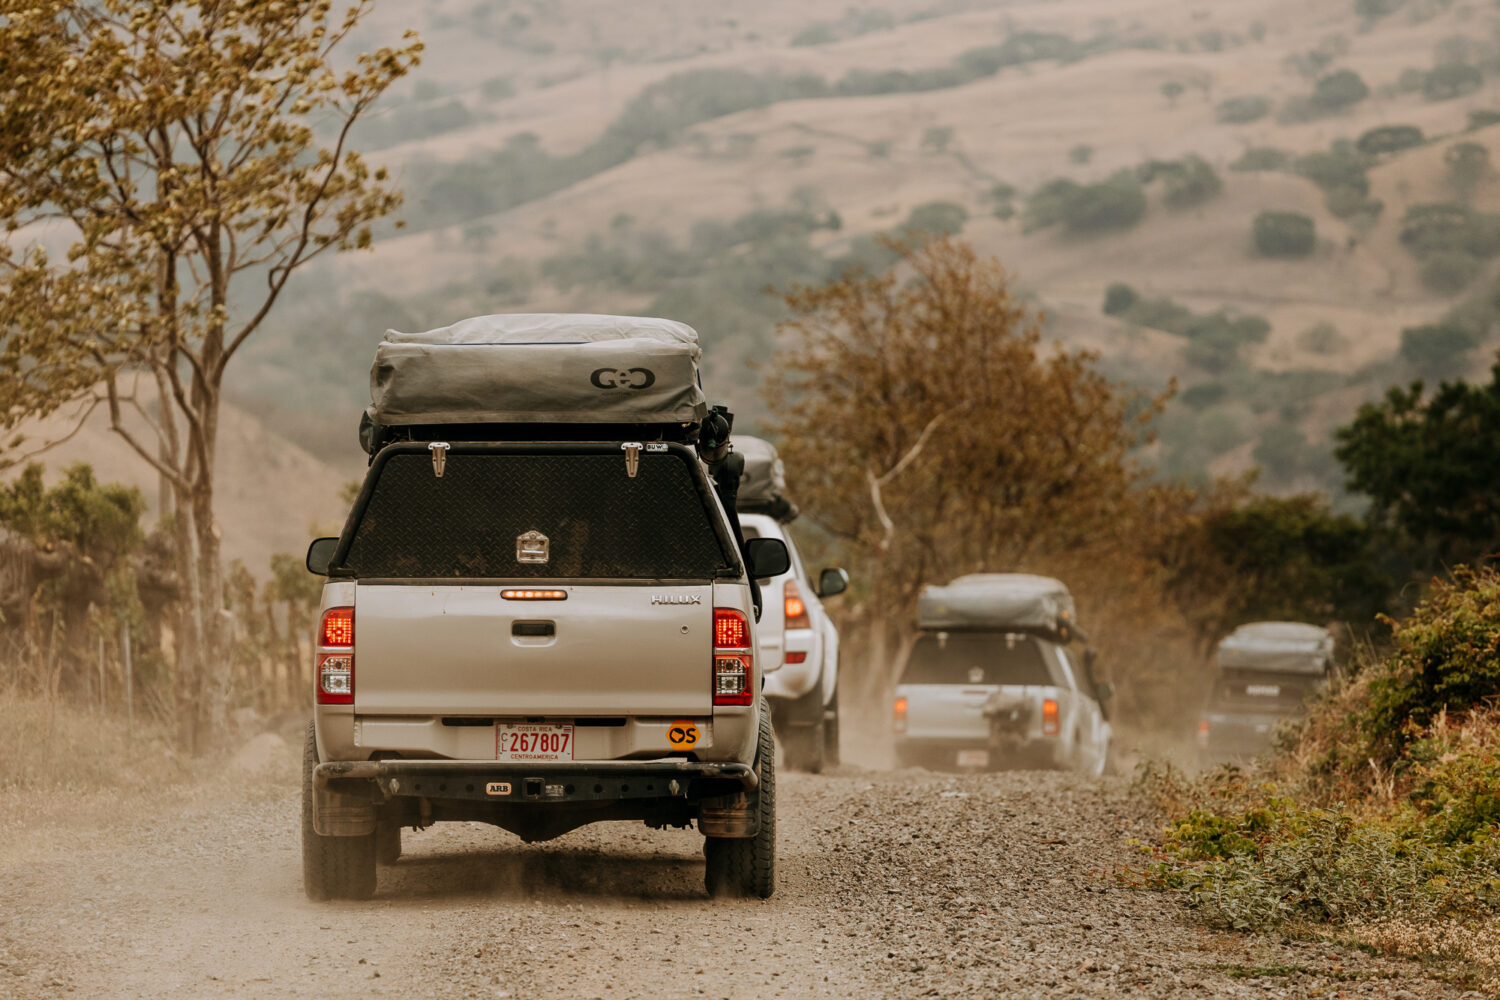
[[989, 681], [538, 635]]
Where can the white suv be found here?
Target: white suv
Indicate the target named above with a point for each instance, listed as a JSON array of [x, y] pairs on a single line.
[[799, 647]]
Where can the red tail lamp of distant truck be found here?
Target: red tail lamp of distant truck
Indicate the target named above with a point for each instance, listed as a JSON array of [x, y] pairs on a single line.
[[1203, 734], [1050, 722], [335, 657], [794, 606], [733, 675], [899, 720]]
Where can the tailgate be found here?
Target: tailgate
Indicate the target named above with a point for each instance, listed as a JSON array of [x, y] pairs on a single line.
[[455, 650]]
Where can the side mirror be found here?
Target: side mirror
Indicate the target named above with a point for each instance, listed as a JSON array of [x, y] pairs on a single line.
[[320, 555], [832, 581], [767, 557], [1105, 690]]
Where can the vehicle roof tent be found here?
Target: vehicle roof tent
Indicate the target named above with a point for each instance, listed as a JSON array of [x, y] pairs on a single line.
[[1278, 647], [1000, 601], [539, 368], [763, 483]]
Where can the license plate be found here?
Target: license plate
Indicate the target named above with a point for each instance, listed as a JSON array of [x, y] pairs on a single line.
[[533, 741], [973, 758]]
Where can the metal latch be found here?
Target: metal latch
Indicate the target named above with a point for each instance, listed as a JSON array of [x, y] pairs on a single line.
[[439, 451], [632, 450]]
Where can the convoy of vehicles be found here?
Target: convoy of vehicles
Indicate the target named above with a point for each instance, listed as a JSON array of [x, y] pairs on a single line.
[[1264, 674], [538, 614], [799, 643], [991, 682]]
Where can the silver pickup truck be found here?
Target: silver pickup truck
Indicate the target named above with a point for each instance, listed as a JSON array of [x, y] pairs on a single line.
[[538, 635]]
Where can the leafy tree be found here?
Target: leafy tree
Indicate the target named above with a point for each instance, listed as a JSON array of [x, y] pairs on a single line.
[[1482, 118], [1284, 234], [934, 218], [1190, 181], [1427, 463], [1119, 298], [1449, 272], [1117, 203], [926, 468], [1243, 110], [1389, 139], [1467, 163], [1451, 80], [173, 146], [1279, 558], [1373, 10], [1261, 158], [1339, 90], [1436, 348]]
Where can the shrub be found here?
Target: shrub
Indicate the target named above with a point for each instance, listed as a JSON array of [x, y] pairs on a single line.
[[1117, 203], [1190, 181], [1451, 80], [1483, 118], [1449, 272], [934, 218], [1389, 139], [1339, 90], [1436, 348], [1436, 226], [1342, 166], [1081, 154], [1243, 110], [1284, 234], [1373, 10], [1261, 158], [1467, 164], [1119, 298], [1321, 338]]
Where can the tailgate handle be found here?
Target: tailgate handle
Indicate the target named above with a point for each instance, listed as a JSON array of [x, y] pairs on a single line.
[[533, 629]]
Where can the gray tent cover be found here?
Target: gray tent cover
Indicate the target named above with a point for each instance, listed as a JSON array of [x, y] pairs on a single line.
[[764, 480], [1278, 647], [539, 368], [996, 600]]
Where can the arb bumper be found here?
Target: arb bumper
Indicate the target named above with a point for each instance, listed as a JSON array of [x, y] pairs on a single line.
[[567, 781]]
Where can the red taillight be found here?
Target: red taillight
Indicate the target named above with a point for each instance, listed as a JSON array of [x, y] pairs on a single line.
[[335, 657], [795, 608], [1050, 726], [1203, 734], [534, 595], [899, 722], [338, 627], [796, 657], [733, 676]]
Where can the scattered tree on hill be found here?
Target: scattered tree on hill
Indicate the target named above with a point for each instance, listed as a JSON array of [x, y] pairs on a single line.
[[1189, 182], [1118, 298], [1427, 463], [176, 143], [1389, 139], [1468, 163], [1261, 158], [1172, 90], [1437, 350], [1449, 272], [1339, 90], [1284, 234], [1118, 203], [1451, 80], [1243, 110]]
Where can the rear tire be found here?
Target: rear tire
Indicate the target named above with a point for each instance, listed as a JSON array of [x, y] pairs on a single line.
[[832, 755], [745, 867], [805, 744], [387, 842], [332, 867]]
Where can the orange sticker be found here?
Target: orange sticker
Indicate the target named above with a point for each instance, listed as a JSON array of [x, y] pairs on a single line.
[[683, 735]]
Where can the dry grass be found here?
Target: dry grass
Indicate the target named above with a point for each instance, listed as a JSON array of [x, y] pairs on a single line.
[[1476, 945], [68, 772]]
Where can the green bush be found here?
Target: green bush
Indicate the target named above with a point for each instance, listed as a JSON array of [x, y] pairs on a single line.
[[1284, 234], [1119, 298], [1118, 203], [1436, 348], [1321, 338], [1451, 80], [1389, 139], [1483, 118], [1339, 90], [934, 218], [1243, 110], [1449, 272], [1438, 226], [1261, 158], [1191, 181]]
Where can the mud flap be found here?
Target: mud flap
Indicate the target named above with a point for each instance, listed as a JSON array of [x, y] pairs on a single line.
[[342, 813], [729, 816]]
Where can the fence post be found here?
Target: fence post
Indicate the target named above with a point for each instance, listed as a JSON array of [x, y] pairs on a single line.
[[129, 680]]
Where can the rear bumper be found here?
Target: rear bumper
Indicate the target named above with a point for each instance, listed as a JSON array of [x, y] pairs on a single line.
[[1045, 752], [568, 781]]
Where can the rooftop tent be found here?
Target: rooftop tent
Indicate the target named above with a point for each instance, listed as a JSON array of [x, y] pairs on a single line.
[[763, 484], [1277, 647], [539, 368], [998, 601]]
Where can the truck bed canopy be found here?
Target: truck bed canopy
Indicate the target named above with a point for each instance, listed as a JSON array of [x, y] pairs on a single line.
[[998, 601], [537, 369], [763, 484], [1277, 647]]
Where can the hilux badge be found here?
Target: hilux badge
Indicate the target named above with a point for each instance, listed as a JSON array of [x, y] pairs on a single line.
[[531, 547], [676, 599]]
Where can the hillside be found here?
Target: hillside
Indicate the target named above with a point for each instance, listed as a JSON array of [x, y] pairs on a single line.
[[680, 159]]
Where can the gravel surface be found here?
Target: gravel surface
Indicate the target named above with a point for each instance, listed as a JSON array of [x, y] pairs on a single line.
[[891, 884]]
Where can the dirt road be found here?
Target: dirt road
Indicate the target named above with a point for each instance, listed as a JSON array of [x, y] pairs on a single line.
[[892, 884]]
